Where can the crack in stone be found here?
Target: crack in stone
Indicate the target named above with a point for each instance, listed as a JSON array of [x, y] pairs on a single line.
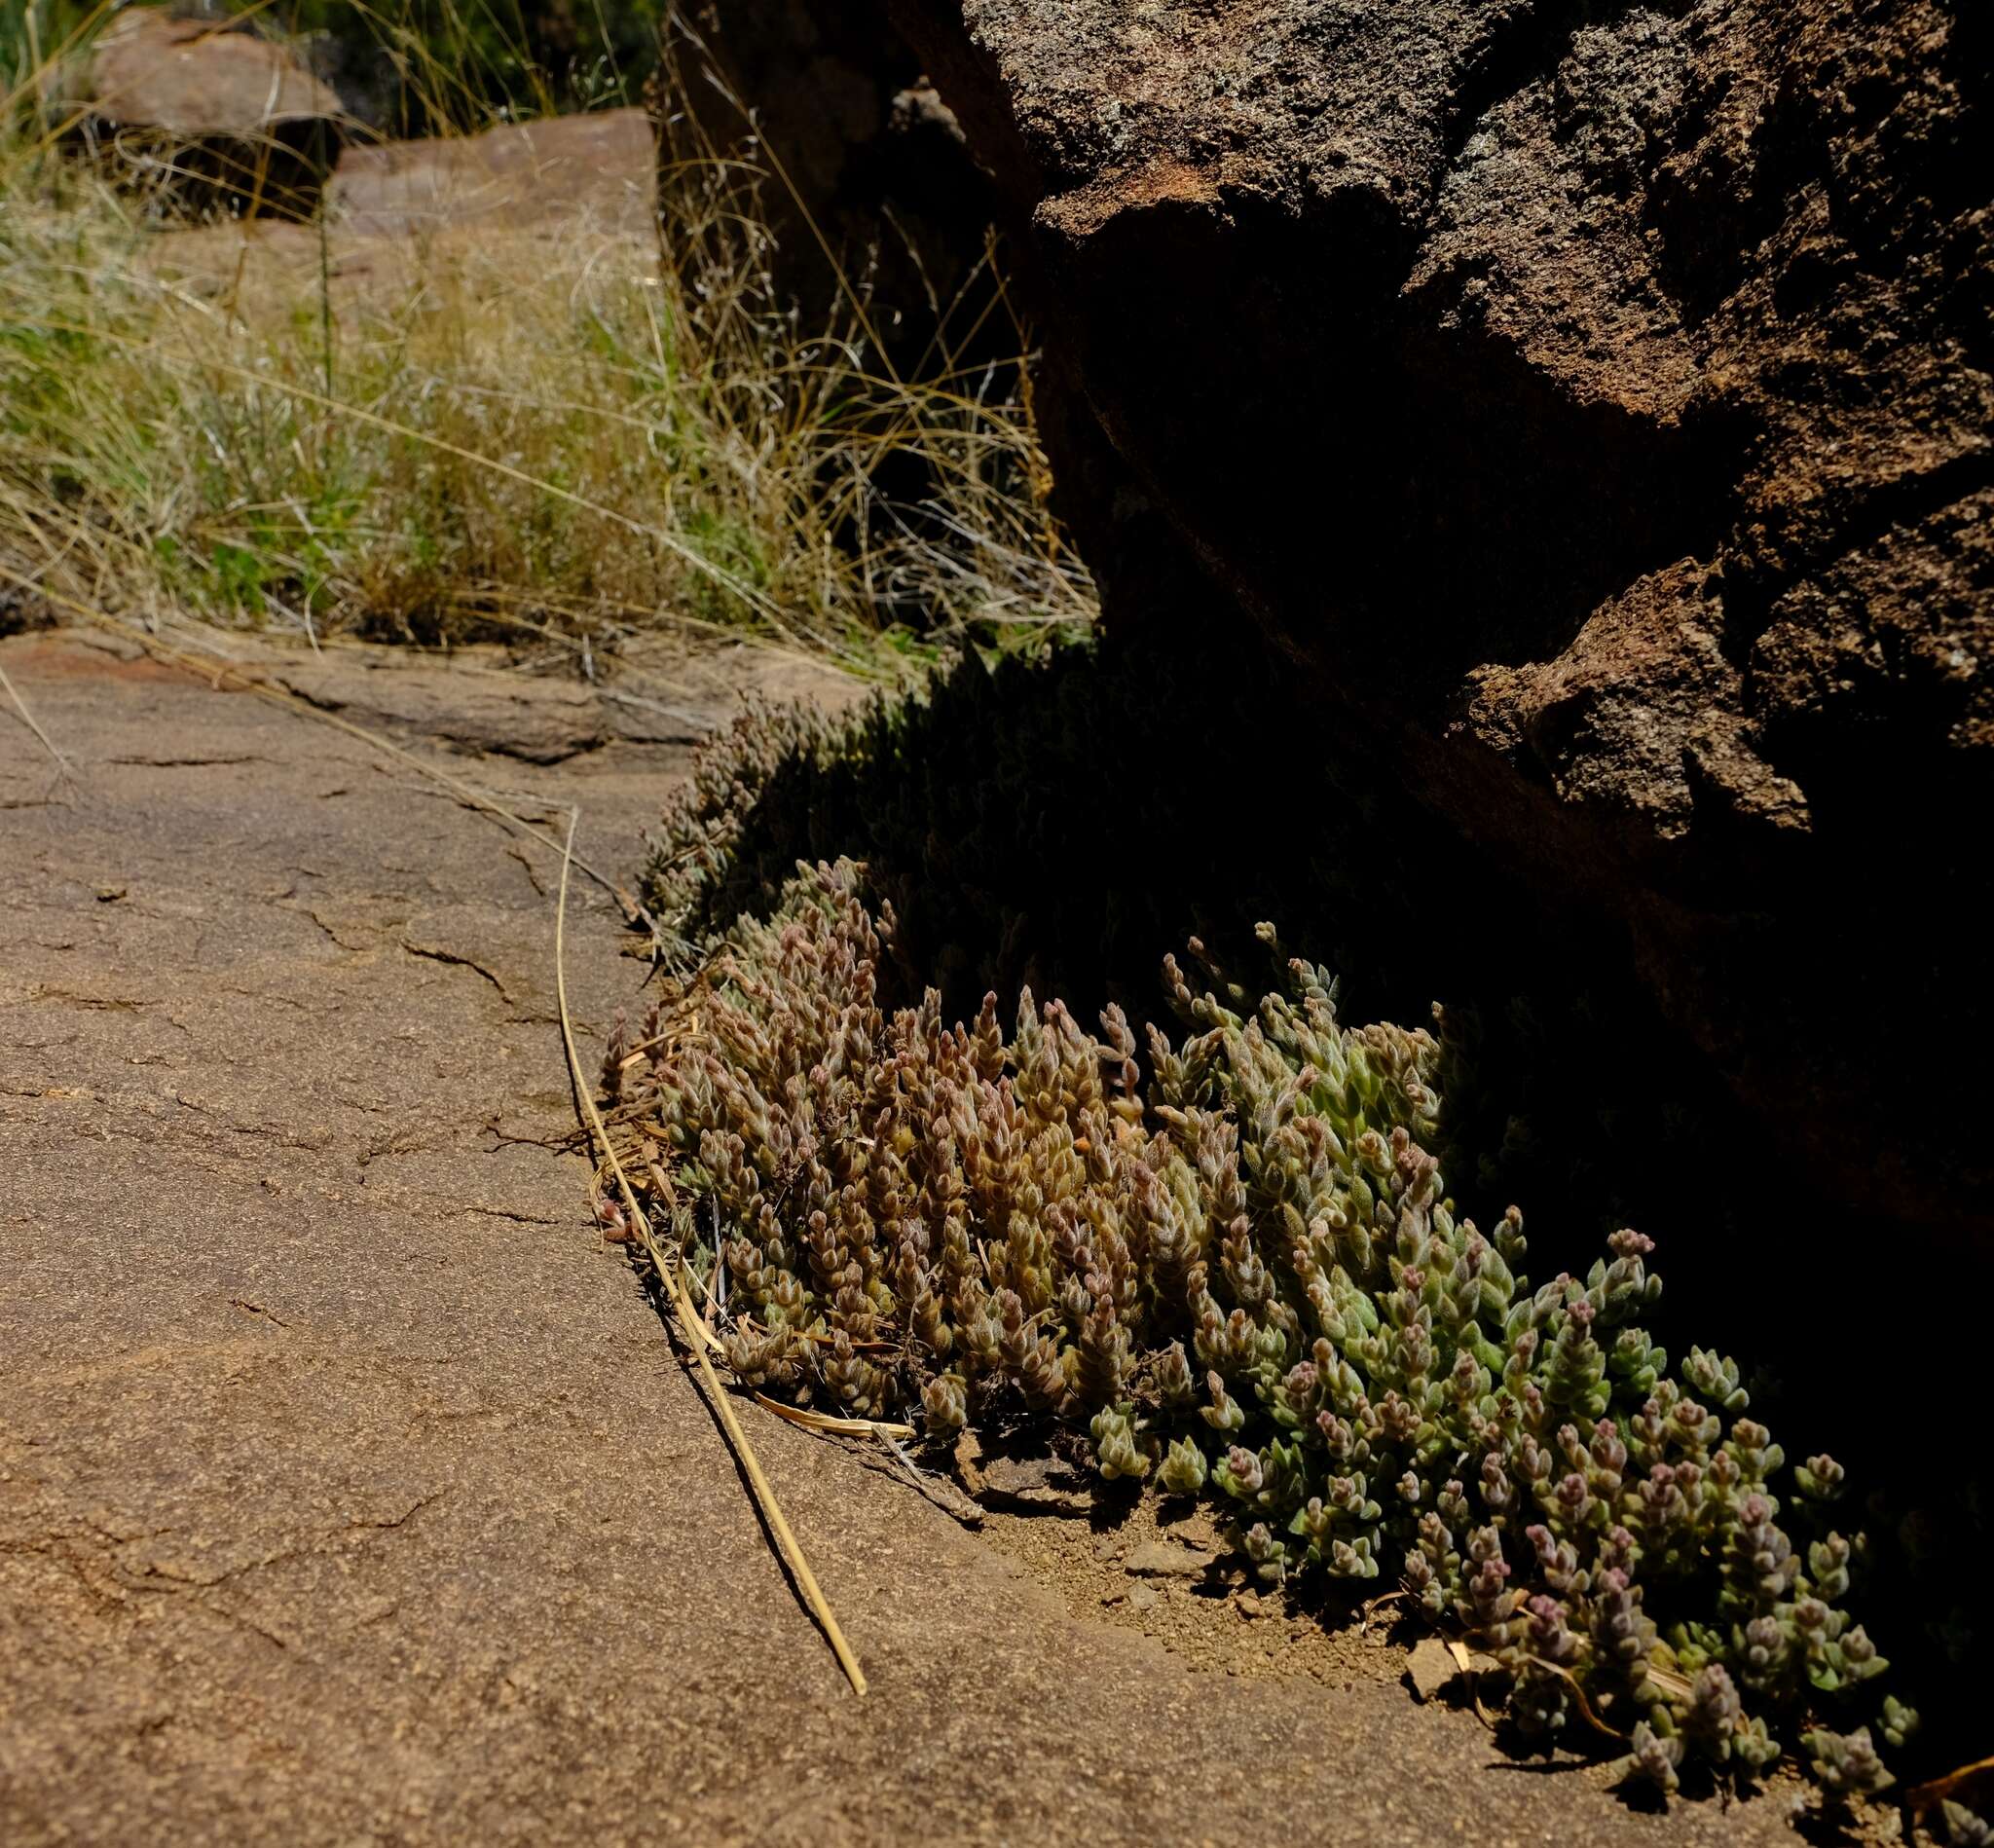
[[91, 1004], [432, 952], [503, 1213], [283, 1138], [307, 912], [401, 1142], [158, 1577], [186, 764], [257, 1309]]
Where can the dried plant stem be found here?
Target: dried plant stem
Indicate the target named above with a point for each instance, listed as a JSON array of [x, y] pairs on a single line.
[[1922, 1798], [672, 1275], [1585, 1707], [31, 721], [827, 1425]]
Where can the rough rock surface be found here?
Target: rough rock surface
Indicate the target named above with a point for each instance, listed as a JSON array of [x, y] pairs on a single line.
[[348, 1491], [1601, 398], [481, 213]]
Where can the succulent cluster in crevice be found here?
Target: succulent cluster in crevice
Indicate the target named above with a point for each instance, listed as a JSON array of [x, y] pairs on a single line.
[[1056, 823], [1233, 1259]]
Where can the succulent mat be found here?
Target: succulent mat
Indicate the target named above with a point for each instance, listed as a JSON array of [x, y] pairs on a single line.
[[1232, 1261]]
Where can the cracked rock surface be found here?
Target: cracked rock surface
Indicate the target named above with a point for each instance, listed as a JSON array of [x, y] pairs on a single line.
[[1598, 398], [348, 1492]]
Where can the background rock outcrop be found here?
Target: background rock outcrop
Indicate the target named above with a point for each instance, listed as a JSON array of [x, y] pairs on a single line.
[[560, 170], [200, 112], [1598, 401]]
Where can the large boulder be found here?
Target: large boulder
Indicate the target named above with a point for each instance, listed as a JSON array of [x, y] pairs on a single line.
[[1596, 400], [203, 113]]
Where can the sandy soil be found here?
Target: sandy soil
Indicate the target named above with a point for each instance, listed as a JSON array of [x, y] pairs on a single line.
[[349, 1493]]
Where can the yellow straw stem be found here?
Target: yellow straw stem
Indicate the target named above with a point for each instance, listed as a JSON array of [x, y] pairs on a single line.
[[673, 1275]]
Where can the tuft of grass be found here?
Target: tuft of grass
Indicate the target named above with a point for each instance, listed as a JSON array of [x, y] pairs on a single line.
[[543, 432]]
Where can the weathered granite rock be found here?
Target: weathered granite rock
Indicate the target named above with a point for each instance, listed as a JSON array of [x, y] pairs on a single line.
[[1598, 400], [203, 113]]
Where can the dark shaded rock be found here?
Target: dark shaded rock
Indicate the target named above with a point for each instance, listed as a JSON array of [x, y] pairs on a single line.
[[1595, 399], [867, 167], [203, 115]]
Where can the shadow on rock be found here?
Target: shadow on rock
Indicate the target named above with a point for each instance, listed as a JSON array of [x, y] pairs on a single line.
[[1060, 824]]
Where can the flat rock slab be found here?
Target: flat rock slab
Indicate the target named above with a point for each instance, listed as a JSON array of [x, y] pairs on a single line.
[[600, 168], [466, 211], [350, 1491]]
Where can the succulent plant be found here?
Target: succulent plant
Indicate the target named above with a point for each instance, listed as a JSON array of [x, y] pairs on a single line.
[[1656, 1755], [1034, 823], [1232, 1258], [1846, 1765]]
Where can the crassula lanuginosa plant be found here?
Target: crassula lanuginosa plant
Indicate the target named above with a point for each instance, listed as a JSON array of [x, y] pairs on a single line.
[[1237, 1266]]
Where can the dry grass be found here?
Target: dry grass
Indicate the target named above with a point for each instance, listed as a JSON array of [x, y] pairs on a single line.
[[543, 434]]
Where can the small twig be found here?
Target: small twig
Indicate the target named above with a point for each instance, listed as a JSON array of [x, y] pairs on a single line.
[[1372, 1605], [828, 1424], [878, 1345], [1464, 1660], [1922, 1798], [938, 1490], [32, 722], [673, 1277], [1585, 1707]]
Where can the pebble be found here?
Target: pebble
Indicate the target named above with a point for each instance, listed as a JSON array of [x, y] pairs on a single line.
[[1161, 1558], [1430, 1667]]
